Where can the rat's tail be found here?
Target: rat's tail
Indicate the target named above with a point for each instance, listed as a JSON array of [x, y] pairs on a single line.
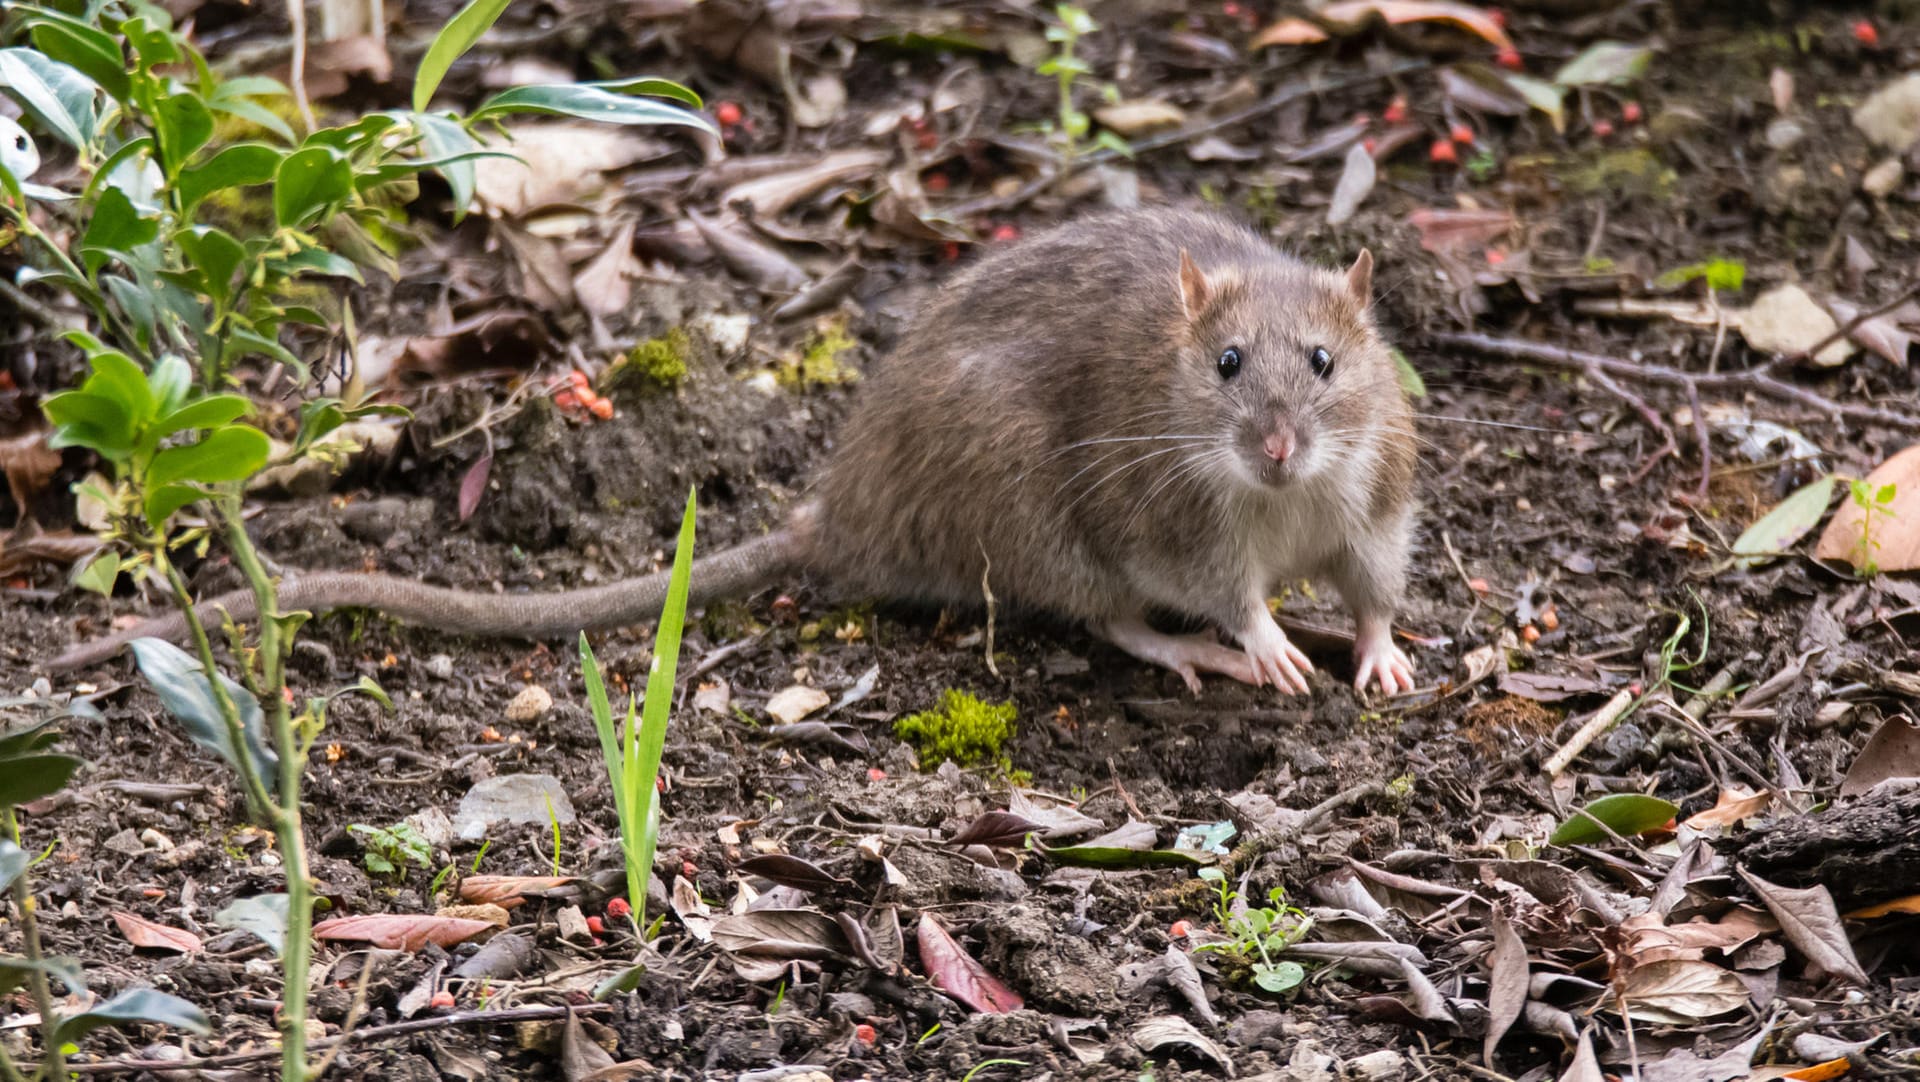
[[728, 573]]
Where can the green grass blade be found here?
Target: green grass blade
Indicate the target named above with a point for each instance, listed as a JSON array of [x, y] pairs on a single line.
[[603, 723], [643, 756]]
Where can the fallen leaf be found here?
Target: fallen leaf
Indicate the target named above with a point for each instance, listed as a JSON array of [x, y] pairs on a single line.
[[996, 828], [1585, 1066], [1893, 751], [1626, 814], [1443, 230], [1184, 977], [955, 972], [1781, 528], [713, 698], [1056, 817], [1893, 537], [557, 163], [1890, 116], [1507, 981], [781, 934], [1352, 16], [789, 705], [606, 284], [1883, 334], [1780, 85], [1734, 806], [1549, 687], [28, 464], [1288, 31], [398, 931], [1786, 321], [1605, 63], [1810, 921], [580, 1057], [1356, 181], [1902, 906], [791, 871], [772, 194], [545, 278], [1153, 1034], [1680, 992], [754, 260], [147, 935], [508, 891], [473, 484], [1139, 116]]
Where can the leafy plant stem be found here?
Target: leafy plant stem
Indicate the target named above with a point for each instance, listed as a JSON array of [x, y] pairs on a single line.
[[55, 1064], [250, 780]]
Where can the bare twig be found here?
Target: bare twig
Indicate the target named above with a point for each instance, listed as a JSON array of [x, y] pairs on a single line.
[[297, 19], [1760, 381], [1705, 443], [375, 1033], [1602, 720], [1859, 318]]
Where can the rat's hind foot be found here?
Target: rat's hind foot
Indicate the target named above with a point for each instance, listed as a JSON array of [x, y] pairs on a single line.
[[1375, 656], [1273, 658], [1188, 655]]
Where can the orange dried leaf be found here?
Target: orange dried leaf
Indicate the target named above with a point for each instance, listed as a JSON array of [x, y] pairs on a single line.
[[506, 891], [1355, 13], [1895, 525], [144, 933], [1734, 805], [396, 931], [1899, 906], [1289, 31]]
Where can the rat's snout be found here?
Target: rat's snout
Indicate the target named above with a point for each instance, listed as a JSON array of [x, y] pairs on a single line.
[[1280, 442]]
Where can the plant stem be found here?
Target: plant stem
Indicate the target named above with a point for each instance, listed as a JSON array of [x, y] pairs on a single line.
[[55, 1064], [287, 825], [250, 780]]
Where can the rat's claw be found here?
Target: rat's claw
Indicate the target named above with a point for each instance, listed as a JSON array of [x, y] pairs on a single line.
[[1275, 660], [1375, 656]]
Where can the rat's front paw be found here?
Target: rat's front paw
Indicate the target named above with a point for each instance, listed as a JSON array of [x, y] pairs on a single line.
[[1376, 657], [1275, 660]]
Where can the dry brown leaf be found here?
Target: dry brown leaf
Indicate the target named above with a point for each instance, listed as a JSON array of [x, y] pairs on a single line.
[[1443, 230], [1646, 939], [400, 931], [144, 933], [1681, 992], [1893, 751], [1506, 981], [557, 163], [746, 255], [1733, 806], [1356, 182], [1288, 31], [545, 278], [508, 891], [955, 972], [1353, 15], [1883, 334], [1810, 921], [793, 703], [1893, 538], [1139, 116], [772, 195], [1787, 321], [29, 464], [606, 285]]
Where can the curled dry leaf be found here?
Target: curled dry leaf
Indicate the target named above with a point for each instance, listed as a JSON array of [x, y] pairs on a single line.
[[473, 484], [791, 871], [1892, 538], [1893, 751], [1680, 992], [508, 891], [780, 934], [1139, 116], [606, 284], [998, 828], [147, 935], [1506, 980], [396, 931], [793, 703], [771, 195], [1811, 922], [1154, 1034], [1185, 979], [1734, 805], [558, 163], [1444, 230], [1356, 182], [1351, 16], [28, 464], [955, 972], [746, 255]]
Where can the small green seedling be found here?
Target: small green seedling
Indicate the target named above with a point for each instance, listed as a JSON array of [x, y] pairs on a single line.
[[389, 850], [1068, 71], [1871, 500], [1259, 933]]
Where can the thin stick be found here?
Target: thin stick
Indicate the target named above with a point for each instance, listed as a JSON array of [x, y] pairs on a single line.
[[297, 18], [1853, 324], [1760, 381], [1600, 722], [1705, 443], [375, 1033]]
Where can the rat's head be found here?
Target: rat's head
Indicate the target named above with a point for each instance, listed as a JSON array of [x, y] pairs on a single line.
[[1286, 359]]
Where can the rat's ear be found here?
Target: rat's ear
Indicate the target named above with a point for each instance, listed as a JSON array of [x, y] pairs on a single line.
[[1360, 278], [1195, 291]]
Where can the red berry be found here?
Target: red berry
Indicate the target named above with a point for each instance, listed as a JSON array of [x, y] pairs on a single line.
[[1005, 231], [1180, 929], [1442, 153], [727, 113], [1603, 128], [618, 907], [1496, 256], [935, 184], [949, 251], [596, 926], [865, 1034], [1509, 58], [1866, 34], [1396, 111], [689, 869], [1630, 112], [1461, 134], [874, 773], [442, 1001]]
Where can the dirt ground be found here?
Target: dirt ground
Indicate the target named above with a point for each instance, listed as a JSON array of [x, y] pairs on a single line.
[[1535, 491]]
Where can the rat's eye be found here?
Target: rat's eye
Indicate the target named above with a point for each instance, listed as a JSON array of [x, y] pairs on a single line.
[[1321, 360], [20, 142], [1229, 363]]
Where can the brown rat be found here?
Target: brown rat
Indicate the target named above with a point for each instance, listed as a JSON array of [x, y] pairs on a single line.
[[1140, 410]]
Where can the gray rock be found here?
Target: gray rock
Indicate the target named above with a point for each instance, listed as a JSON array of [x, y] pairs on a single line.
[[512, 798]]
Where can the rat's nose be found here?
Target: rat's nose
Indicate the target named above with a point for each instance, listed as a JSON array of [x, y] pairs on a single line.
[[1280, 443]]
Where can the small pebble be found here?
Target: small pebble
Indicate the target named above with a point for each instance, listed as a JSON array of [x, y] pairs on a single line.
[[1882, 179], [532, 702], [1381, 1065], [153, 839], [440, 667]]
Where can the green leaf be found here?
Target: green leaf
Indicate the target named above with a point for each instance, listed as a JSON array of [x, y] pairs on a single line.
[[252, 112], [115, 230], [134, 1005], [56, 94], [317, 261], [109, 168], [250, 342], [1626, 814], [307, 182], [237, 166], [10, 185], [1114, 856], [185, 124], [89, 51], [13, 861], [30, 777], [265, 915], [1605, 63], [233, 453], [625, 980], [1278, 977], [589, 101], [168, 383], [165, 500], [446, 141], [1409, 376], [209, 412], [152, 44], [185, 692], [1780, 529], [25, 741], [641, 757], [216, 254], [100, 575], [452, 42], [86, 419], [659, 88], [1548, 98], [116, 377], [14, 971]]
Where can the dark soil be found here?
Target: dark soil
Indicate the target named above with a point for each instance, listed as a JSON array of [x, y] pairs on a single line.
[[1554, 503]]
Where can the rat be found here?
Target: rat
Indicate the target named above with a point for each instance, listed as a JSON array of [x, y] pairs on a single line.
[[1139, 411]]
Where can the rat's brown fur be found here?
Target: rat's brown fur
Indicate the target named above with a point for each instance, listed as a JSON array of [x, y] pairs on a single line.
[[1054, 423]]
